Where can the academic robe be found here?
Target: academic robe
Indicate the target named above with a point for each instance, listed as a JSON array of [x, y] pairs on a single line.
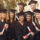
[[11, 31], [38, 34], [2, 37], [31, 26], [20, 30]]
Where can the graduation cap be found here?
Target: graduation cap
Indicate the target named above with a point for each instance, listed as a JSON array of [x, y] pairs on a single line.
[[21, 3], [29, 13], [0, 10], [32, 2], [12, 10], [4, 10], [37, 11], [20, 14]]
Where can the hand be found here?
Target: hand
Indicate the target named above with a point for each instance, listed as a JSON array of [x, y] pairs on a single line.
[[13, 39], [25, 37], [38, 29], [1, 33], [6, 26], [32, 33]]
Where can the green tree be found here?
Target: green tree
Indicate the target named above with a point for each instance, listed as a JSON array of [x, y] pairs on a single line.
[[12, 4], [1, 4]]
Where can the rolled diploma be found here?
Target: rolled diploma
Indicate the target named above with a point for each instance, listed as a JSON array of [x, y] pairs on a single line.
[[29, 29], [35, 26], [4, 28]]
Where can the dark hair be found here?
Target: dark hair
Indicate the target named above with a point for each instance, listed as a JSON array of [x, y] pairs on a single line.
[[29, 13], [13, 17], [31, 2], [20, 14], [37, 11]]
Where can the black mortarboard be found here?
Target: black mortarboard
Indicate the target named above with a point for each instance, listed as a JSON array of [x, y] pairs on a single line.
[[0, 10], [12, 10], [29, 13], [37, 11], [31, 2], [21, 3], [20, 14], [4, 10]]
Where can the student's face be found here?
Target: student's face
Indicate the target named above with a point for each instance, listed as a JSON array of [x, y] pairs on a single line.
[[37, 15], [21, 8], [21, 18], [4, 15], [11, 15], [33, 6], [28, 17]]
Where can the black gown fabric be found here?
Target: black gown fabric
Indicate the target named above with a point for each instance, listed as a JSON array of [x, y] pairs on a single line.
[[31, 26], [11, 31], [2, 37], [38, 34], [20, 30]]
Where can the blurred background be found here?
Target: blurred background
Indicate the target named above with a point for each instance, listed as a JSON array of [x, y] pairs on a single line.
[[7, 4]]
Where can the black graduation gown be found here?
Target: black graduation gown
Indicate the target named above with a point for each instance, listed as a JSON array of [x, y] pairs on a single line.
[[11, 31], [0, 25], [38, 34], [36, 37], [33, 30], [20, 30], [2, 37]]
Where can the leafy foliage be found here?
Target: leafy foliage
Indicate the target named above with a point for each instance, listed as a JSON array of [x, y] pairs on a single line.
[[10, 3]]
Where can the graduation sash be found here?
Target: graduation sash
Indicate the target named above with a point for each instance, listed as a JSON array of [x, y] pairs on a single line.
[[35, 26], [28, 35], [4, 28], [29, 32]]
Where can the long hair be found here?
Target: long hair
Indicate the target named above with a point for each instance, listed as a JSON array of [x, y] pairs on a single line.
[[13, 18]]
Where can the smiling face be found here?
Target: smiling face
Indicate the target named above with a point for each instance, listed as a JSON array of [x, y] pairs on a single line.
[[3, 15], [21, 18], [28, 17], [37, 15], [39, 18], [33, 6], [21, 8]]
